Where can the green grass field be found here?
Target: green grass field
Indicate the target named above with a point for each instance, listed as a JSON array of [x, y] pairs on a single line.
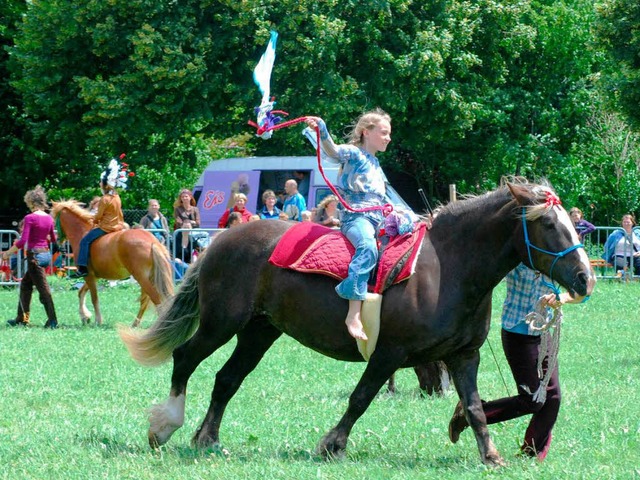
[[74, 405]]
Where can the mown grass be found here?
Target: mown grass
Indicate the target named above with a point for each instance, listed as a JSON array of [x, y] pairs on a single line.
[[73, 405]]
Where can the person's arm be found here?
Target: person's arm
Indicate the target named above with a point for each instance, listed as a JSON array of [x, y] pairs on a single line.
[[52, 234], [326, 141], [222, 223], [177, 219], [588, 228], [552, 301], [102, 205], [196, 215]]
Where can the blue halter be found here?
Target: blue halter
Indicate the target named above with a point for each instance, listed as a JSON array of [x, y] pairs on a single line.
[[558, 256]]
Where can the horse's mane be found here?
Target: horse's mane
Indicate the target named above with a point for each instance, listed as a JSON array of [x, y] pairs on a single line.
[[75, 208], [471, 204]]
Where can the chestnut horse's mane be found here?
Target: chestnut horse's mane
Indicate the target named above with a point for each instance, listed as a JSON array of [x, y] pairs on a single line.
[[74, 207]]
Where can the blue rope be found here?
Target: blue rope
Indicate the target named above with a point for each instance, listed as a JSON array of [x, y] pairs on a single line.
[[557, 255]]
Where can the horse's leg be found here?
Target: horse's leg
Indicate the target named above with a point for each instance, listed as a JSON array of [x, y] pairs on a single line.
[[464, 371], [85, 315], [380, 367], [391, 385], [253, 341], [90, 282], [144, 303], [216, 331]]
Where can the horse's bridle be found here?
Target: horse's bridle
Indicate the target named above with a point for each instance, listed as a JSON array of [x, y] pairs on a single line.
[[557, 255]]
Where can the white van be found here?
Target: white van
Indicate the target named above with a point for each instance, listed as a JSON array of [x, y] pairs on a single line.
[[223, 178]]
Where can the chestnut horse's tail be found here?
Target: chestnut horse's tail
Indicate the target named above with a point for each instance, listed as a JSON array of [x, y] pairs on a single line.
[[177, 321], [162, 274]]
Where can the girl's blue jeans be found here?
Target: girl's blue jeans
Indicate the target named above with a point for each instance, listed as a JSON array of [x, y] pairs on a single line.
[[361, 232]]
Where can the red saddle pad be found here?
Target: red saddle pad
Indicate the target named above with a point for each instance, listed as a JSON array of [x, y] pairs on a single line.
[[311, 248]]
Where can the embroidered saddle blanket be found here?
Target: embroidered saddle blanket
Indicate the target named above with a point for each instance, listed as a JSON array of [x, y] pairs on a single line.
[[312, 248]]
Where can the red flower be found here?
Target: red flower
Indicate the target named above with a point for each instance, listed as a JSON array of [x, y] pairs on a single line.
[[131, 174], [122, 155]]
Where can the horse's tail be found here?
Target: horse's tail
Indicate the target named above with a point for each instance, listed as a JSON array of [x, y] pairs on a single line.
[[162, 273], [178, 318]]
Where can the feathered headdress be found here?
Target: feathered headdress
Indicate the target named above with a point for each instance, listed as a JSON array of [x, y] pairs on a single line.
[[116, 174]]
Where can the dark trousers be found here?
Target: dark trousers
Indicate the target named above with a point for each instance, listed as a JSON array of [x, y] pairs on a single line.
[[82, 260], [626, 262], [522, 354], [35, 277]]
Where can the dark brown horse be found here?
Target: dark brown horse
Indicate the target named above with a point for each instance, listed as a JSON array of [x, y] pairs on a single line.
[[442, 312], [115, 256]]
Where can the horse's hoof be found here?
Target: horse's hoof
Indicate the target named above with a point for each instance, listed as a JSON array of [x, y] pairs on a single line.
[[153, 441], [494, 460], [330, 448]]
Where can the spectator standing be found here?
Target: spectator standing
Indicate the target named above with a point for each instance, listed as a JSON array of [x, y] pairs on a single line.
[[294, 204], [185, 216], [38, 230], [239, 207], [269, 210]]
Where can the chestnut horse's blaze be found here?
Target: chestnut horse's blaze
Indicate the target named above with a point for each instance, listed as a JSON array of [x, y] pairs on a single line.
[[115, 256], [441, 313]]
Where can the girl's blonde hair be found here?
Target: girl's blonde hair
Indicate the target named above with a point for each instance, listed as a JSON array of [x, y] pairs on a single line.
[[367, 121]]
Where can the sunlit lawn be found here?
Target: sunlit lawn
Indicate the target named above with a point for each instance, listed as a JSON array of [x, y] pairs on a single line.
[[74, 404]]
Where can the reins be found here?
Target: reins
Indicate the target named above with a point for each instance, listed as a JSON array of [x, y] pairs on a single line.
[[386, 209]]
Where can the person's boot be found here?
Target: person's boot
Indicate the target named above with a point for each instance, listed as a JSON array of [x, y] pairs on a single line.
[[15, 322]]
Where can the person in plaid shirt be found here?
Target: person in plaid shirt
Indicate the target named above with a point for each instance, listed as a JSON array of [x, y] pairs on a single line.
[[525, 288]]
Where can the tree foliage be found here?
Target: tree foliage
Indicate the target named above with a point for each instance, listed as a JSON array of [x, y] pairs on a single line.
[[618, 31], [476, 89]]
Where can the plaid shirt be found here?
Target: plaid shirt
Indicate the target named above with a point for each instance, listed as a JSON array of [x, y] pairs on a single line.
[[524, 288]]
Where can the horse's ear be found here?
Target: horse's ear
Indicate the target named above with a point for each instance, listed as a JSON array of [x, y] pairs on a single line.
[[521, 193]]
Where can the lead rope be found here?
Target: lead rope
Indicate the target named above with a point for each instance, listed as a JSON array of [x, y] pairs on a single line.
[[538, 320]]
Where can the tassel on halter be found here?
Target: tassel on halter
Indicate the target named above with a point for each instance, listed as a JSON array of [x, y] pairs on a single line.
[[539, 320]]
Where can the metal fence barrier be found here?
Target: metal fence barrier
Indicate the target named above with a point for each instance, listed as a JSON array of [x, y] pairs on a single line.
[[11, 270], [594, 246]]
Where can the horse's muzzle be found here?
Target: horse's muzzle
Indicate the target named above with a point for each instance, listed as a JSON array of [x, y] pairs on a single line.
[[583, 285]]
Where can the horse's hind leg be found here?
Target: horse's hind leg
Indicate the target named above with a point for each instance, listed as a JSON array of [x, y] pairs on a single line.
[[144, 304], [381, 366], [253, 341], [166, 418], [85, 315]]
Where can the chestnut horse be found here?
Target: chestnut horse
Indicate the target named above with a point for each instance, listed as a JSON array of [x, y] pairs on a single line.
[[442, 312], [116, 256]]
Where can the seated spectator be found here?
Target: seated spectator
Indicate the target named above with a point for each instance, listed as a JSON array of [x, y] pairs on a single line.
[[239, 207], [580, 224], [269, 210], [234, 219], [294, 204], [327, 213], [155, 220], [622, 248]]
